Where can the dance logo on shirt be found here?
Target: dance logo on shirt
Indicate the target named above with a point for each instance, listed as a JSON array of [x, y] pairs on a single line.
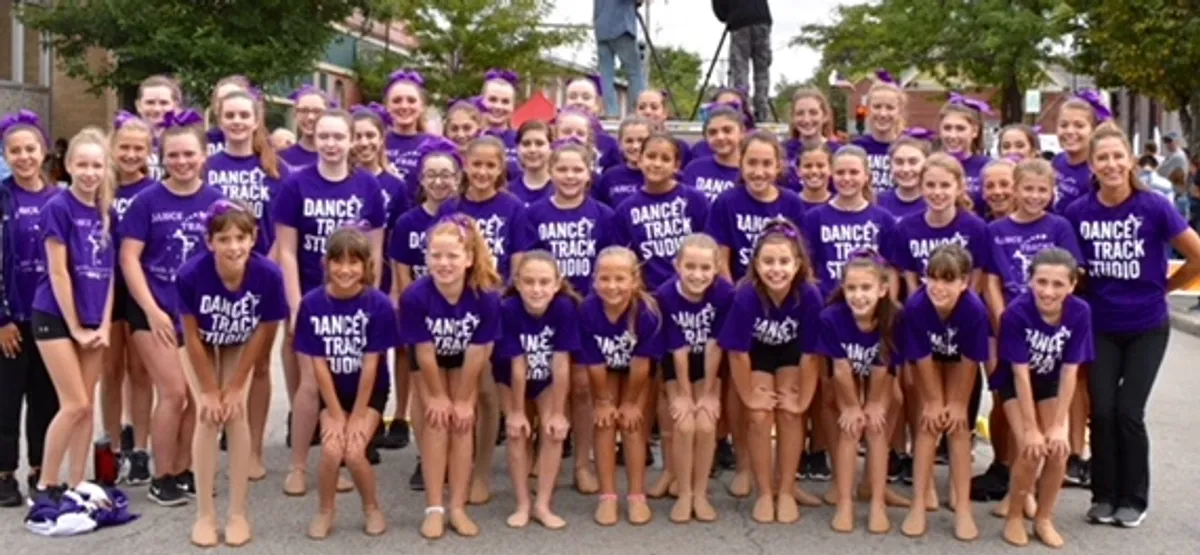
[[329, 214], [1045, 351], [494, 233], [1116, 247], [572, 244], [861, 357], [451, 336], [712, 187], [666, 224], [845, 239], [944, 344], [416, 243], [751, 225], [538, 353], [233, 321], [344, 337], [245, 185], [881, 171], [776, 332], [696, 326], [923, 248], [617, 350]]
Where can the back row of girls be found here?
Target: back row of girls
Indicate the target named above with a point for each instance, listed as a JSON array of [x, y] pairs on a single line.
[[323, 189]]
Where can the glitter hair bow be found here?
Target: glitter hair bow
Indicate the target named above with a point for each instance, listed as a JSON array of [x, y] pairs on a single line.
[[920, 133], [885, 76], [21, 118], [438, 145], [376, 109], [307, 89], [121, 118], [222, 207], [405, 76], [508, 76], [185, 118], [867, 253], [974, 104], [1093, 98]]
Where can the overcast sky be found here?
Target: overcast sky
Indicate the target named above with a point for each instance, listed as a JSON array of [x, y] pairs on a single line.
[[690, 24]]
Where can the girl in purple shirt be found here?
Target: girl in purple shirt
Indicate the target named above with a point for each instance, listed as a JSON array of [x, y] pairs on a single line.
[[859, 330], [463, 123], [164, 228], [718, 172], [343, 330], [231, 301], [158, 95], [450, 321], [131, 144], [946, 339], [72, 304], [405, 98], [770, 335], [541, 330], [815, 167], [533, 158], [499, 100], [620, 329], [313, 203], [1123, 230], [23, 246], [1045, 335], [1019, 142], [693, 308], [1077, 119], [585, 95], [653, 105], [996, 189], [960, 132], [620, 182], [811, 123], [907, 158], [887, 104], [310, 104], [215, 136]]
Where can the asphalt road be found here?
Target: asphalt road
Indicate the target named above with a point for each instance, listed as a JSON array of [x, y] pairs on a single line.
[[280, 522]]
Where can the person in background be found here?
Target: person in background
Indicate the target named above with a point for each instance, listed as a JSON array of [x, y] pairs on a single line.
[[749, 25], [282, 138], [1175, 158], [1149, 176], [615, 22], [1151, 149]]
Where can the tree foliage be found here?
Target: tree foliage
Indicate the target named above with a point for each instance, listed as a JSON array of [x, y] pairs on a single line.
[[459, 40], [680, 74], [197, 41], [1149, 47], [985, 43]]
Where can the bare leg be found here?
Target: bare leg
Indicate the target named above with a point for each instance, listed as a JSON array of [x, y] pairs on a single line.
[[518, 467], [364, 479], [635, 458], [204, 453], [704, 451], [258, 406], [462, 445], [790, 441], [332, 454], [549, 460], [487, 423], [607, 511], [1049, 485], [305, 403], [684, 445], [761, 455], [583, 425], [434, 447], [163, 364]]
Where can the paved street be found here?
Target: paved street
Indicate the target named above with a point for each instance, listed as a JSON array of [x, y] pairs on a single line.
[[280, 522]]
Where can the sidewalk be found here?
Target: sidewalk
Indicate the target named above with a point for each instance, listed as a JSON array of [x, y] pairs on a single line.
[[1183, 318]]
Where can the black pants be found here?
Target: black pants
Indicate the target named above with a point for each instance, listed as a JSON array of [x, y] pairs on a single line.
[[1120, 380], [976, 397], [25, 380]]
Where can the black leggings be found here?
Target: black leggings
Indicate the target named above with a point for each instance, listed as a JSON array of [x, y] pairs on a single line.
[[25, 382], [1120, 380], [976, 398]]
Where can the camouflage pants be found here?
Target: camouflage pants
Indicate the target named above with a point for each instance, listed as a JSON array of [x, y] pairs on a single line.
[[752, 45]]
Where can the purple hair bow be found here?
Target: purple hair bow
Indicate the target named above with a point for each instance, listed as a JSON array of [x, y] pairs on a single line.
[[1093, 98], [21, 117], [222, 207], [779, 227], [474, 101], [596, 82], [121, 118], [255, 92], [181, 119], [920, 133], [438, 145], [885, 76], [1037, 129], [405, 76], [375, 109], [505, 75], [974, 104], [565, 142], [363, 226], [867, 253], [305, 90]]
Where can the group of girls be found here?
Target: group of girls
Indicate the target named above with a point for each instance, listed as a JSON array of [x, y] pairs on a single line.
[[755, 293]]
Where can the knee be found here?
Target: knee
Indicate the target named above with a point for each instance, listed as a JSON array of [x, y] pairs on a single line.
[[75, 410], [705, 425], [307, 390], [759, 418], [1128, 415], [959, 434], [138, 376], [685, 426], [355, 456], [333, 450], [580, 388], [172, 394]]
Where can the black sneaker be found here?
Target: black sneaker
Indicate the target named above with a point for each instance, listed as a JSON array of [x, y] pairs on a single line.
[[906, 469], [1128, 517], [52, 494], [417, 481], [992, 485], [126, 438], [819, 468], [895, 466], [1076, 472], [1101, 513], [942, 456], [373, 455], [725, 459], [187, 483], [139, 469], [165, 491], [396, 436], [805, 470], [10, 492]]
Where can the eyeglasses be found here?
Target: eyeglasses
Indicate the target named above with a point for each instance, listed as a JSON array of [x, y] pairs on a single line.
[[432, 177], [309, 111]]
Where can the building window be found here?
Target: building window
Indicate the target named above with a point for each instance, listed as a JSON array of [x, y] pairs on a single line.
[[339, 92]]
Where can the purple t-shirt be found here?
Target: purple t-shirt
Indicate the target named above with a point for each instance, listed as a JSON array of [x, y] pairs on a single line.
[[1014, 245], [1125, 257], [230, 317], [609, 150], [519, 188], [344, 331], [833, 234], [963, 334], [900, 208], [298, 158], [710, 177], [1072, 181], [120, 204], [617, 184], [1026, 338], [216, 141], [509, 138], [841, 339], [736, 218], [973, 168], [427, 317], [407, 244], [915, 240], [537, 338], [497, 218], [172, 230], [402, 152], [574, 236], [91, 257], [29, 248], [685, 152], [700, 150], [692, 324], [316, 207], [879, 161], [154, 163], [755, 322], [654, 224], [396, 200], [614, 344], [243, 178]]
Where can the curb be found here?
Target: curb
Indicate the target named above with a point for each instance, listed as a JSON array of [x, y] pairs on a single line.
[[1184, 321]]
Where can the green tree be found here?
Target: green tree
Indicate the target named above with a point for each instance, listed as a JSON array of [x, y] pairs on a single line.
[[985, 43], [678, 71], [197, 41], [459, 40], [1148, 47]]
